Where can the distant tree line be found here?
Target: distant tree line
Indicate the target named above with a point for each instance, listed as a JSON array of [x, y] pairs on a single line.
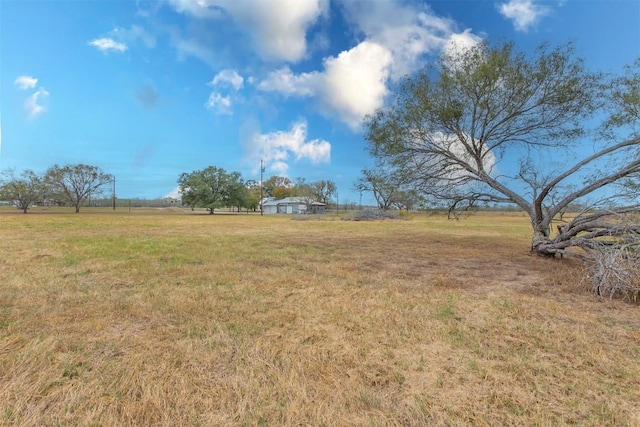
[[210, 188], [214, 188], [59, 186]]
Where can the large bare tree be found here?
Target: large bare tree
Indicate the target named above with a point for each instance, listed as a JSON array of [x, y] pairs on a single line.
[[492, 124]]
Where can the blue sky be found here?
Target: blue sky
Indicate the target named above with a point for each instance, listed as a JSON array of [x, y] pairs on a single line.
[[149, 89]]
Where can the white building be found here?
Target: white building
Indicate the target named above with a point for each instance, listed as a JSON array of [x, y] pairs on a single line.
[[292, 205]]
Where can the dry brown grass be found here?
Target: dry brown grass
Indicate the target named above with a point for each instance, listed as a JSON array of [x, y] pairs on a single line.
[[178, 319]]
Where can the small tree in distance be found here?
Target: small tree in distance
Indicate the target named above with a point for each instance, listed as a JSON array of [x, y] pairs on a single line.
[[385, 183], [253, 188], [76, 183], [324, 190], [23, 191], [212, 188], [278, 187]]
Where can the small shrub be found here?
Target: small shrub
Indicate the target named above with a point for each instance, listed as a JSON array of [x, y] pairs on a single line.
[[615, 272]]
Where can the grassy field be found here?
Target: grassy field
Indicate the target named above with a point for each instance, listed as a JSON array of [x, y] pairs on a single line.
[[174, 318]]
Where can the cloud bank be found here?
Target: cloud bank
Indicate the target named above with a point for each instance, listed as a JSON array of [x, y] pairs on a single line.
[[277, 28], [392, 38], [398, 38], [409, 31]]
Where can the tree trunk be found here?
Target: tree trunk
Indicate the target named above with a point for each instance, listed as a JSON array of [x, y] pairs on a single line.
[[540, 242]]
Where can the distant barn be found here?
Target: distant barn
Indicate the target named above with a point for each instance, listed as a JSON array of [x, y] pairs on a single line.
[[292, 205]]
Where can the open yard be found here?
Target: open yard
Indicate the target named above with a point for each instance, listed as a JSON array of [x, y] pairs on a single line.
[[174, 318]]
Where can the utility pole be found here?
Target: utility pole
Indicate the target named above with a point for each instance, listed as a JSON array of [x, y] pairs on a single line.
[[114, 192]]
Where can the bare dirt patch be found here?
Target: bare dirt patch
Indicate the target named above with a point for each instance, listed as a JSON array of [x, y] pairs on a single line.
[[416, 260]]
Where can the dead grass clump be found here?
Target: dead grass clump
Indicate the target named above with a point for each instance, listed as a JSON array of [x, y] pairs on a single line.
[[314, 217], [615, 272], [446, 281], [370, 215]]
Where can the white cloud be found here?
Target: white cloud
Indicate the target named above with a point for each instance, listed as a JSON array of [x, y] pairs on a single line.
[[197, 8], [277, 148], [444, 168], [228, 77], [352, 85], [218, 103], [408, 31], [355, 82], [119, 39], [285, 82], [277, 28], [463, 40], [106, 44], [397, 39], [26, 82], [452, 144], [523, 13], [279, 168], [32, 103], [457, 44], [132, 35]]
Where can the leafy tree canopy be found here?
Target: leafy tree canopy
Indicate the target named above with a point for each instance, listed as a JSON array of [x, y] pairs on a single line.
[[212, 188], [76, 183], [23, 190]]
